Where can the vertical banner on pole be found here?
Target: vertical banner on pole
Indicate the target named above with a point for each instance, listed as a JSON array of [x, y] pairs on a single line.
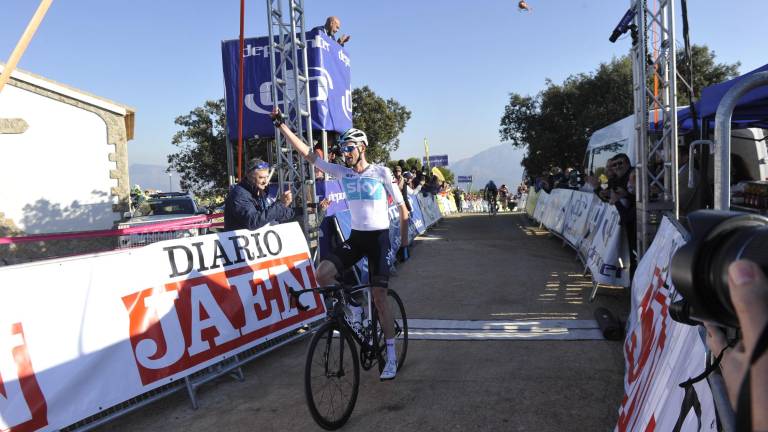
[[330, 85]]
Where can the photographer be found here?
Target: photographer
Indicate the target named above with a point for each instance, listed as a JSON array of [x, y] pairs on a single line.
[[748, 287]]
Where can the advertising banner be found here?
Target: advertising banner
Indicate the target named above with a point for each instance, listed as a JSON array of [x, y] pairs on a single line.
[[522, 202], [559, 200], [85, 333], [661, 353], [429, 208], [575, 227], [330, 88], [436, 161], [332, 190], [464, 179], [594, 220], [394, 234], [417, 216], [608, 254], [542, 205], [530, 203], [451, 203]]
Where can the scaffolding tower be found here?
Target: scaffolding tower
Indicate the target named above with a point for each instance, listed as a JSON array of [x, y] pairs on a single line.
[[290, 93], [654, 73]]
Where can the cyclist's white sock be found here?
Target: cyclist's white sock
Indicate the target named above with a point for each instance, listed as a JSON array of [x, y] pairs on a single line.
[[391, 349]]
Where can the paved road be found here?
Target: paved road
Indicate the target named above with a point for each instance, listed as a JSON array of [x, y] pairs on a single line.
[[470, 267]]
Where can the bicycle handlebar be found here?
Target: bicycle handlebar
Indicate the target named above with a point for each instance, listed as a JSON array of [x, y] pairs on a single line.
[[322, 290], [294, 301]]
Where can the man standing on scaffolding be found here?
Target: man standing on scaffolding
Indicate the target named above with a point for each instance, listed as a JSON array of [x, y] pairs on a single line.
[[367, 186], [332, 25]]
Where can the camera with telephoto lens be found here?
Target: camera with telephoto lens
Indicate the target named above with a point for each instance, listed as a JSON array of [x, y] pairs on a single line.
[[700, 267]]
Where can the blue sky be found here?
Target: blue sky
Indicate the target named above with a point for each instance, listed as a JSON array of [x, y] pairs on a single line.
[[452, 63]]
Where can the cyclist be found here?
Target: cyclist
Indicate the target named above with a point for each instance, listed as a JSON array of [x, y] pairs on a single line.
[[367, 186], [491, 192]]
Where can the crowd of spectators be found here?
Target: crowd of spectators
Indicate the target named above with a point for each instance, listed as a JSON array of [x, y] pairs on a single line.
[[613, 184]]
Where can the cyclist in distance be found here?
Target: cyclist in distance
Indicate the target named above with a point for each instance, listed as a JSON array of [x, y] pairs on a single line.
[[491, 192], [367, 186]]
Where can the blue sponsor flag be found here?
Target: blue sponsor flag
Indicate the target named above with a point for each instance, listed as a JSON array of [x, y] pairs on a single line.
[[330, 87], [464, 179], [436, 160]]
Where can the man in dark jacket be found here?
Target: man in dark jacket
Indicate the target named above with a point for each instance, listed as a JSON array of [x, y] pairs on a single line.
[[248, 206]]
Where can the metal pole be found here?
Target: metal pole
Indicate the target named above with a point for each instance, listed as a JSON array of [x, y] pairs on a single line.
[[240, 91], [324, 143], [656, 159], [227, 142], [723, 136], [670, 114]]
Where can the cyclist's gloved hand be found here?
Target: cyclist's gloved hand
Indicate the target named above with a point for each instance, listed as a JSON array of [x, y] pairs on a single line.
[[403, 254]]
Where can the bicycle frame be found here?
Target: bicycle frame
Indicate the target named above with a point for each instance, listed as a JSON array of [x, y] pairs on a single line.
[[340, 293]]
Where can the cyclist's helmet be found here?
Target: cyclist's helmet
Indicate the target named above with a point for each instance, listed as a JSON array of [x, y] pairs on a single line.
[[355, 135]]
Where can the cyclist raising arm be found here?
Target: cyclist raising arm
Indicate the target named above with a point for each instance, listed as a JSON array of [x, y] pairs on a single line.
[[366, 186]]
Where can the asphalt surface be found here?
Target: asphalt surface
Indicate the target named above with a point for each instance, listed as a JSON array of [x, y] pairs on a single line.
[[469, 267]]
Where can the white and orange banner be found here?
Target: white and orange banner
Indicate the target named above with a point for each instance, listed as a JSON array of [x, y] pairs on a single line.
[[79, 335], [661, 353]]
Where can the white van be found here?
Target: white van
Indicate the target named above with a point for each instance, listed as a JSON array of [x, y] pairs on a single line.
[[749, 145]]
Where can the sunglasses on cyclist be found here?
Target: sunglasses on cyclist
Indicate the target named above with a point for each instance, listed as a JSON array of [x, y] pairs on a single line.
[[348, 148]]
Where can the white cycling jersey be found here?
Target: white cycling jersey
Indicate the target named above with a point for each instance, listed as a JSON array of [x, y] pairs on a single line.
[[366, 193]]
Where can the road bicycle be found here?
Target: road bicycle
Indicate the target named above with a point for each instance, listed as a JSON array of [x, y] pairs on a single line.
[[339, 348], [493, 207]]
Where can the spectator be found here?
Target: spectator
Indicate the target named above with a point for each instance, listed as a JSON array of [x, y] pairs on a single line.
[[543, 183], [610, 177], [622, 195], [458, 198], [331, 27], [504, 197], [574, 179], [748, 290], [402, 184], [247, 205]]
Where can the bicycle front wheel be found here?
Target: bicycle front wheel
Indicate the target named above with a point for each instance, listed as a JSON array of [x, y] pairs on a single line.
[[397, 311], [331, 376]]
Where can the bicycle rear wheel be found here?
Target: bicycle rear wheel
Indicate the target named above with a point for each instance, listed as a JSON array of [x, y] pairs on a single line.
[[397, 311], [331, 376]]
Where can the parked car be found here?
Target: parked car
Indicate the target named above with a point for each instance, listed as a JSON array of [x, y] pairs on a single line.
[[161, 207]]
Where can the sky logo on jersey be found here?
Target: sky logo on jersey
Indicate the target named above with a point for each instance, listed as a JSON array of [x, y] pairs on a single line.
[[363, 189]]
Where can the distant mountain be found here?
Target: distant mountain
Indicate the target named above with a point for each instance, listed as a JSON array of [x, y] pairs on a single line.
[[500, 164], [153, 177]]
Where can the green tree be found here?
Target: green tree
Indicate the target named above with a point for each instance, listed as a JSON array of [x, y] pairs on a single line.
[[705, 71], [382, 120], [413, 163], [202, 157], [555, 125]]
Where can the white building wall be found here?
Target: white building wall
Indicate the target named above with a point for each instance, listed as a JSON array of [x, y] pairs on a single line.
[[55, 177]]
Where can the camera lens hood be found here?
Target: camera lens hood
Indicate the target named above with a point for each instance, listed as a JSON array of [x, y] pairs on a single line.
[[700, 267]]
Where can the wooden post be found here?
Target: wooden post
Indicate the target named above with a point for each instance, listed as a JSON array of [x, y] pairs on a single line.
[[26, 37]]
